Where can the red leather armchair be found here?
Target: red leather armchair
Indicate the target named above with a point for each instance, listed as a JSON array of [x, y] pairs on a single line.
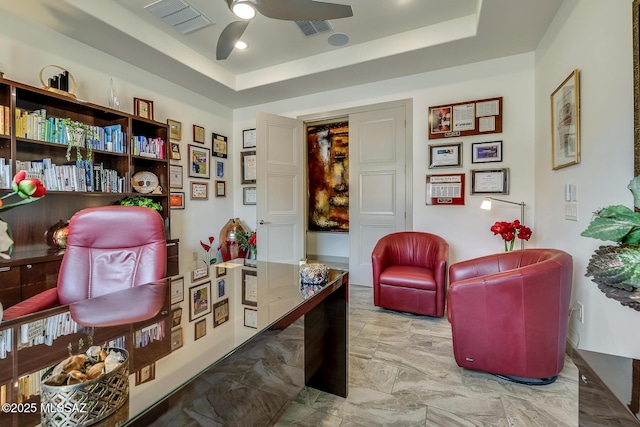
[[409, 272], [109, 248], [509, 313]]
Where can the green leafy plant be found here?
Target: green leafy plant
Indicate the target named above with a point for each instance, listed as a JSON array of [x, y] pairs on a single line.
[[71, 127], [141, 201]]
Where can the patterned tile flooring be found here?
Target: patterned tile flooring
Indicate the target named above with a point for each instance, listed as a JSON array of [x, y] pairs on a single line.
[[402, 373]]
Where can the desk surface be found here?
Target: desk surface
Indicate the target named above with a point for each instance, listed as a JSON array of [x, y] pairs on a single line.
[[199, 323]]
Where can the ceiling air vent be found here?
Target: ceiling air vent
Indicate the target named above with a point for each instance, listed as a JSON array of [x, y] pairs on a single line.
[[311, 28], [180, 15]]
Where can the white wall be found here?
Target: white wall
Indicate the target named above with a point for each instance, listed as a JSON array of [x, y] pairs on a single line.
[[594, 37], [22, 60]]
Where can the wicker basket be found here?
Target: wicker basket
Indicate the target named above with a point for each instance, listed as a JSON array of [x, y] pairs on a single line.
[[71, 93], [96, 399]]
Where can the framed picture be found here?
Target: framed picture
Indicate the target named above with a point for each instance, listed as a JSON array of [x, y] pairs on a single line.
[[175, 129], [200, 161], [175, 176], [565, 122], [220, 271], [143, 108], [445, 189], [485, 152], [219, 145], [251, 318], [200, 329], [175, 151], [249, 287], [248, 167], [221, 188], [177, 290], [199, 191], [253, 263], [248, 138], [220, 312], [176, 200], [490, 181], [249, 196], [199, 300], [146, 374], [440, 119], [199, 274], [445, 155], [219, 169], [176, 317], [176, 339], [198, 134], [221, 290]]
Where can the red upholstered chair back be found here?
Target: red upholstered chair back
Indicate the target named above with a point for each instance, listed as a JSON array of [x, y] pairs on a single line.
[[412, 248], [111, 248]]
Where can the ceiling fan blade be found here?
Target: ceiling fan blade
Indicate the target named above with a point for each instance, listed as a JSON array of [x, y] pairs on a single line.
[[228, 38], [302, 10]]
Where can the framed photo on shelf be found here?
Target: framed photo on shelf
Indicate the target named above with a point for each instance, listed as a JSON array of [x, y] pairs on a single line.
[[250, 287], [565, 122], [221, 271], [485, 152], [490, 181], [198, 134], [248, 165], [221, 188], [248, 138], [200, 329], [175, 129], [249, 196], [143, 108], [221, 288], [146, 374], [251, 318], [445, 155], [176, 200], [219, 145], [175, 151], [177, 290], [220, 312], [200, 160], [219, 169], [199, 274], [175, 176], [199, 191], [176, 339], [199, 300], [176, 317]]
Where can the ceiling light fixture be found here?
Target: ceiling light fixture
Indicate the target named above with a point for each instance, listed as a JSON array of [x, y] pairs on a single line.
[[243, 9], [241, 45]]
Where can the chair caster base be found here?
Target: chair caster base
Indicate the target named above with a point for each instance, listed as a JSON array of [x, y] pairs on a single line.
[[527, 381]]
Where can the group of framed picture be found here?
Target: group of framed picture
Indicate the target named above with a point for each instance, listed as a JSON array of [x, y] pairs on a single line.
[[250, 297], [450, 155], [248, 166]]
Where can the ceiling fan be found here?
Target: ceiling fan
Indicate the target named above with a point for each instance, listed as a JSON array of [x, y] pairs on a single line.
[[287, 10]]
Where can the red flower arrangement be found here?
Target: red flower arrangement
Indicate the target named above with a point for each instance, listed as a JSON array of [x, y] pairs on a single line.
[[209, 260], [509, 231]]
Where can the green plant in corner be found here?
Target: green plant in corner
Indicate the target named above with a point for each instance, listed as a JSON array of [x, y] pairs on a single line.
[[76, 134], [141, 201], [618, 265]]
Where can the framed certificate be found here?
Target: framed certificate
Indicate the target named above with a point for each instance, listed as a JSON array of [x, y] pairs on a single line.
[[219, 145], [248, 165], [250, 287], [251, 318], [490, 181], [248, 138], [249, 196]]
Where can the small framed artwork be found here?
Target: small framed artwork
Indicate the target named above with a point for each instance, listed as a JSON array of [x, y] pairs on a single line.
[[251, 318], [485, 152], [490, 181], [220, 312], [199, 300], [143, 108], [249, 287], [221, 286], [200, 161], [177, 290], [199, 274], [176, 200], [219, 145], [200, 329], [221, 188], [219, 169], [176, 338], [175, 129], [199, 191], [175, 176], [248, 165], [565, 122], [198, 134], [221, 271], [248, 138], [146, 374], [176, 317], [175, 151], [249, 196], [445, 155]]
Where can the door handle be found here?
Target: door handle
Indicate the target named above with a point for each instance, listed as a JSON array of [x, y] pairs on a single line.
[[262, 222]]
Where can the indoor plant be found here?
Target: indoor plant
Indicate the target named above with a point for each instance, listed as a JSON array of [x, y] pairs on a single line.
[[509, 231], [141, 201], [248, 243], [76, 135]]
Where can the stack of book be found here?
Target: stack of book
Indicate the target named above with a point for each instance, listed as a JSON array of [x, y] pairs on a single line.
[[5, 122], [145, 336], [148, 147], [5, 173]]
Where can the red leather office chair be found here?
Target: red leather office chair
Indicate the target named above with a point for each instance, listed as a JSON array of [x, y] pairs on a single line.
[[409, 272], [509, 313], [109, 248]]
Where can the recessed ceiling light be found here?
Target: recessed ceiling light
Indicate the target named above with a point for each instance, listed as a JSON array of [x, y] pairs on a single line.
[[243, 10], [241, 45], [338, 39]]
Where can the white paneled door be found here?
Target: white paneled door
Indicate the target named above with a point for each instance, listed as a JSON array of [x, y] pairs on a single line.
[[280, 180], [377, 188]]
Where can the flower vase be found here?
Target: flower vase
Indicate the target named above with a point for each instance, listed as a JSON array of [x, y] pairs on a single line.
[[252, 254], [229, 247]]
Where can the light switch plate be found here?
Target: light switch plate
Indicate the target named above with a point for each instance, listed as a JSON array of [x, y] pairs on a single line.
[[571, 211]]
